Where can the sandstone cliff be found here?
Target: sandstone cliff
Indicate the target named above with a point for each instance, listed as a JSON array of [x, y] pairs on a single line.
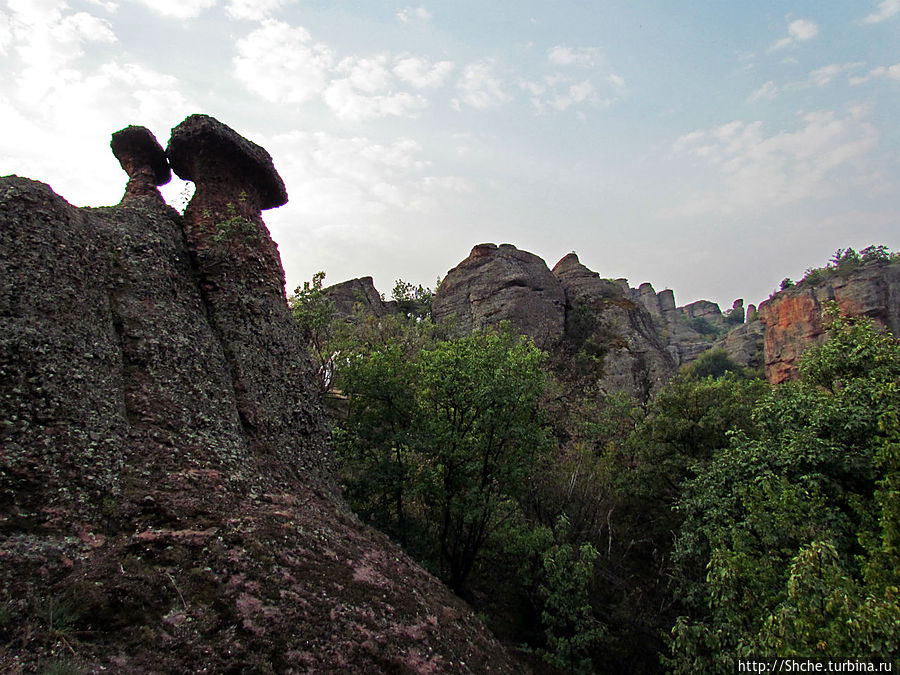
[[502, 283], [358, 296], [793, 317], [569, 309], [600, 317], [166, 502]]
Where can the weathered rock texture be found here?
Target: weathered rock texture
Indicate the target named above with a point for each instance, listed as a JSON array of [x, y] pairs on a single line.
[[793, 317], [602, 320], [570, 309], [165, 498], [358, 295], [143, 159], [502, 283]]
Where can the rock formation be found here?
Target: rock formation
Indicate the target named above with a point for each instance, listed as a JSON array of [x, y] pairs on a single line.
[[165, 497], [569, 309], [357, 295], [621, 331], [793, 317], [143, 159], [502, 283]]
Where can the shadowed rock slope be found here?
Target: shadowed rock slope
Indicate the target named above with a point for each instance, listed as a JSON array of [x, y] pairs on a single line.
[[166, 503]]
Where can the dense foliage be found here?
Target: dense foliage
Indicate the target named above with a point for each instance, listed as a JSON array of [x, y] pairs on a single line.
[[795, 520], [723, 518]]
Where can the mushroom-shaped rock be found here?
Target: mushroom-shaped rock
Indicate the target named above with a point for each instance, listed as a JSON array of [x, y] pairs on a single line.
[[222, 162], [235, 180], [142, 158]]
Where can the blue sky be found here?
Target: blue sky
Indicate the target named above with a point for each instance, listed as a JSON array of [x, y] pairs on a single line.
[[710, 147]]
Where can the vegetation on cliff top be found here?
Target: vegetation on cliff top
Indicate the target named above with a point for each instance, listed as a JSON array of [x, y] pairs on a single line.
[[844, 262]]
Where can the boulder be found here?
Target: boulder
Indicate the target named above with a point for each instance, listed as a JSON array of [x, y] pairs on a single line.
[[703, 309], [744, 345], [666, 300], [355, 296], [603, 320]]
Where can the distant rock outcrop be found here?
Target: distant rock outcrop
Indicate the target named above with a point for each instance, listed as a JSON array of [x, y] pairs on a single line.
[[502, 283], [358, 295], [793, 317], [570, 309], [166, 503], [600, 317]]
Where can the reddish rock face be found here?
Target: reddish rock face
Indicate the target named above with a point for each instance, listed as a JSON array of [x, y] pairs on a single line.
[[793, 318], [793, 323], [235, 181]]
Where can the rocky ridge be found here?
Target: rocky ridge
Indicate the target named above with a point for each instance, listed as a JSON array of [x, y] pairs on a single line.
[[166, 501], [641, 336]]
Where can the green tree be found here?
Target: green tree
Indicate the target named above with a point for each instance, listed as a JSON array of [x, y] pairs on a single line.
[[314, 313], [373, 442], [440, 438], [480, 433], [412, 301], [570, 627], [711, 363], [784, 519]]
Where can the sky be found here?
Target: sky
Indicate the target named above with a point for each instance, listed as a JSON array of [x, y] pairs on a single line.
[[709, 147]]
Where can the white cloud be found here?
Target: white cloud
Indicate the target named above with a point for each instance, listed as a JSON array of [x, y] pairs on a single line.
[[420, 72], [559, 92], [414, 15], [179, 9], [48, 42], [254, 10], [561, 55], [367, 74], [826, 155], [366, 91], [349, 104], [480, 87], [888, 72], [766, 92], [332, 177], [108, 5], [799, 30], [6, 34], [279, 62], [282, 64], [824, 75], [821, 77], [886, 10], [579, 92]]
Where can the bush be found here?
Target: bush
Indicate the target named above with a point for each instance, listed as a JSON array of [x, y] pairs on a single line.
[[703, 326]]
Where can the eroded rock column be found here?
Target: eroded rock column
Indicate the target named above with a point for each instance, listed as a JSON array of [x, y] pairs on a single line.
[[243, 286], [143, 159]]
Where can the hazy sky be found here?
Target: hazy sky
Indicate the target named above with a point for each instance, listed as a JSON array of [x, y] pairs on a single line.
[[712, 146]]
